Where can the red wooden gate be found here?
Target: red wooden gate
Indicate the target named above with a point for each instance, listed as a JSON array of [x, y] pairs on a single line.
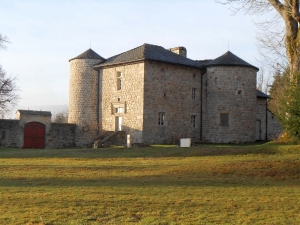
[[34, 135]]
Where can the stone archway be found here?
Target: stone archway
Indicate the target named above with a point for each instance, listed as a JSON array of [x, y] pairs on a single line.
[[34, 135]]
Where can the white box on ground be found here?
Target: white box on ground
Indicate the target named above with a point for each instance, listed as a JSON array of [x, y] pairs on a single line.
[[185, 142]]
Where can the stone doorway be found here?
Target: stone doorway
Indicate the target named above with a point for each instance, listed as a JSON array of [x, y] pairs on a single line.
[[34, 135], [118, 123], [258, 130]]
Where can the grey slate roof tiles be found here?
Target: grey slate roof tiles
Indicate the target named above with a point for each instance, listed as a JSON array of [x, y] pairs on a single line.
[[261, 94], [149, 52], [88, 54], [158, 53], [229, 59], [203, 62]]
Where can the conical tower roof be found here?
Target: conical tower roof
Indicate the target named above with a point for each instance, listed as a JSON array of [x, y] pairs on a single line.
[[229, 59], [88, 54]]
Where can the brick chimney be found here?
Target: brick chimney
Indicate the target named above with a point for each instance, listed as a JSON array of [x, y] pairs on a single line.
[[179, 50]]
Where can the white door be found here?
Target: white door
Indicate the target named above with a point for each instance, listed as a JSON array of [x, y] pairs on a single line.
[[258, 130], [118, 123]]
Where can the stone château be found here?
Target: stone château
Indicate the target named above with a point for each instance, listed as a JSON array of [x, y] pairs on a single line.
[[150, 94], [159, 95]]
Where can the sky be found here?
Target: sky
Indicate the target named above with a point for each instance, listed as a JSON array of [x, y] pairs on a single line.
[[44, 35]]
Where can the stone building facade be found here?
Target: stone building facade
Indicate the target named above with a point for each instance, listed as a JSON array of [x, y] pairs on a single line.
[[229, 97], [158, 95], [149, 95]]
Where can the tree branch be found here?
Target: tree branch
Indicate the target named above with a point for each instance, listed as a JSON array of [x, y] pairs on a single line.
[[295, 11], [278, 6]]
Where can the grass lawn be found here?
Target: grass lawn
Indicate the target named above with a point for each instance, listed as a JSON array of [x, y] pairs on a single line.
[[207, 184]]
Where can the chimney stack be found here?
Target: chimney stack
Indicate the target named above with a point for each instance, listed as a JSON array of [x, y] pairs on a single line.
[[179, 50]]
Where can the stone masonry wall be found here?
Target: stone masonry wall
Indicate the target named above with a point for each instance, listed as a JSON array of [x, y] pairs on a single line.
[[229, 90], [274, 127], [261, 116], [12, 133], [168, 89], [46, 120], [83, 99], [130, 97], [62, 135]]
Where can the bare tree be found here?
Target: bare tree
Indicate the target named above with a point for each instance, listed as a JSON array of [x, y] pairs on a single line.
[[263, 81], [3, 40], [8, 89], [283, 39], [8, 92], [61, 117]]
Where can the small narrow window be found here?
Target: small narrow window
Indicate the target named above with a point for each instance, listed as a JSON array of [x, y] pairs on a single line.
[[161, 118], [119, 81], [193, 93], [2, 135], [224, 117], [193, 121]]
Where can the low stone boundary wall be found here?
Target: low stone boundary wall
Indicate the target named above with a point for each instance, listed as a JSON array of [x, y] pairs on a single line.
[[10, 132], [63, 135]]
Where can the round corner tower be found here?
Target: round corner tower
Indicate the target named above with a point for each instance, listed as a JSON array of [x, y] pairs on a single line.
[[83, 95], [229, 100]]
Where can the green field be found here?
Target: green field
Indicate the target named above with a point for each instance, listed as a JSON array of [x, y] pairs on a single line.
[[207, 184]]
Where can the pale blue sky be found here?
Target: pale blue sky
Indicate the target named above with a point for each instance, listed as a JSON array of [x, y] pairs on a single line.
[[45, 34]]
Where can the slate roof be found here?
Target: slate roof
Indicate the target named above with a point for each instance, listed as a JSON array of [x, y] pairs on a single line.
[[203, 62], [261, 94], [34, 112], [229, 59], [148, 52], [88, 54]]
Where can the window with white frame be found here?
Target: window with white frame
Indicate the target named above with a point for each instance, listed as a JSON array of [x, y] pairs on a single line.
[[119, 80], [194, 93], [119, 110], [193, 121], [161, 118]]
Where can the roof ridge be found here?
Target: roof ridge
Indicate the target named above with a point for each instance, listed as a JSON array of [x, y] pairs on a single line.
[[148, 52]]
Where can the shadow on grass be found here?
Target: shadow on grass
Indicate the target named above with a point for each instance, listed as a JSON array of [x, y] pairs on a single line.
[[151, 181], [155, 151]]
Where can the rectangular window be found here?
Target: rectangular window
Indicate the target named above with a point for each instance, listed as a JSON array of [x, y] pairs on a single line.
[[193, 121], [193, 93], [161, 118], [224, 118], [119, 110], [119, 80], [2, 135]]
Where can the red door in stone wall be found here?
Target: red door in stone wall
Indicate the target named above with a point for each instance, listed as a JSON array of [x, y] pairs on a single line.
[[34, 135]]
